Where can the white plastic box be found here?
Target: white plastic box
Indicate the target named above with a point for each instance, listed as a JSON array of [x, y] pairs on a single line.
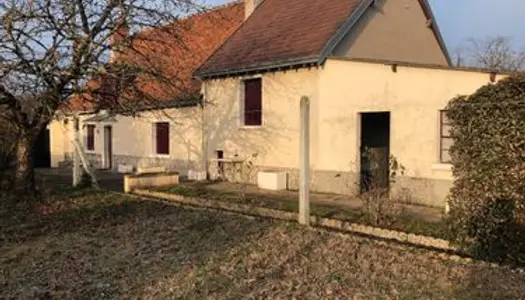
[[272, 180]]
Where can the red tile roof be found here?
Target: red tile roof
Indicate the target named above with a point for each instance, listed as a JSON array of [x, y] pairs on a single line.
[[286, 33], [281, 31], [172, 53]]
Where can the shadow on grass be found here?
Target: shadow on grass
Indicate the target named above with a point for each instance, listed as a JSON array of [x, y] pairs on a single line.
[[490, 283]]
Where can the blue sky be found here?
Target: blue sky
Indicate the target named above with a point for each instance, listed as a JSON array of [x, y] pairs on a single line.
[[463, 19]]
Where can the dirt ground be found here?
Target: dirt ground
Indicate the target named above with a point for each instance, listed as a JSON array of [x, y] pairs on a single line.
[[98, 245]]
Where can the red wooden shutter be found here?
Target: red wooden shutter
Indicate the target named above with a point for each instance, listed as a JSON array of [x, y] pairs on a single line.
[[90, 137], [252, 102], [163, 138]]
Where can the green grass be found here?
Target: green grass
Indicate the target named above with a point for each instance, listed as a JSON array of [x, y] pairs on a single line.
[[402, 222]]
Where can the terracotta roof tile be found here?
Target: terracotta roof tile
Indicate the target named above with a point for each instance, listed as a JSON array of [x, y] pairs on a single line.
[[280, 31], [173, 51]]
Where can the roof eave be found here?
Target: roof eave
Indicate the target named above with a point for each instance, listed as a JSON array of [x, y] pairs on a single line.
[[268, 67], [344, 29], [437, 31]]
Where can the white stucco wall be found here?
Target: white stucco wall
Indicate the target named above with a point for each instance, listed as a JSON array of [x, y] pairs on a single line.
[[275, 141], [59, 141], [339, 92], [413, 96], [133, 138]]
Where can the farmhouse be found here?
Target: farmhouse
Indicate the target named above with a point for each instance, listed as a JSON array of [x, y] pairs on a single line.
[[377, 75]]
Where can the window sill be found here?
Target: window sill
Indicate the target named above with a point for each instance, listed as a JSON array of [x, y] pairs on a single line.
[[160, 155], [442, 167], [251, 127], [90, 151]]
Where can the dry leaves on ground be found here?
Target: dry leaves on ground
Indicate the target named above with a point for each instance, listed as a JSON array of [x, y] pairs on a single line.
[[103, 246]]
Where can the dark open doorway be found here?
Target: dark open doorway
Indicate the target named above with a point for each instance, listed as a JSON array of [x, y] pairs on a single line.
[[375, 150], [42, 152]]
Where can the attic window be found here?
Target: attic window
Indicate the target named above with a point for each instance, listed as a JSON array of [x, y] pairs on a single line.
[[252, 102]]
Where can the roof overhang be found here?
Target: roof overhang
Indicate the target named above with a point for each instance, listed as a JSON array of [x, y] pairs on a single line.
[[435, 28], [261, 68], [101, 118]]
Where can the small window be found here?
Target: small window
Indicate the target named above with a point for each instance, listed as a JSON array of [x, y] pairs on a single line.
[[252, 102], [90, 143], [162, 138], [445, 138]]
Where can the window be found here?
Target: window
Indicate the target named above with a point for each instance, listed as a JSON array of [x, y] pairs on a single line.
[[90, 143], [252, 102], [445, 138], [162, 138]]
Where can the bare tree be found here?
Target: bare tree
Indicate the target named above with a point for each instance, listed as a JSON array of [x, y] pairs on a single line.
[[497, 53], [49, 49]]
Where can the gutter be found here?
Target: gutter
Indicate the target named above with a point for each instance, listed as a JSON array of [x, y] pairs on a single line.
[[267, 67]]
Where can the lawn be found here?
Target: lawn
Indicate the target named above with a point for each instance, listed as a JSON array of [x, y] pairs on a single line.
[[98, 245], [402, 221]]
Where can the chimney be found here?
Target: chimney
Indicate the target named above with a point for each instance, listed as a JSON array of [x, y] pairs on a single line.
[[117, 40], [250, 6]]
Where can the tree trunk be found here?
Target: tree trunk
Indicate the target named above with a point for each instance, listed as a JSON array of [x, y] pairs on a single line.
[[24, 182]]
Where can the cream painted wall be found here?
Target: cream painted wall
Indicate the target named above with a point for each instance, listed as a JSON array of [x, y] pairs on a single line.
[[59, 141], [133, 136], [413, 96], [393, 30], [276, 141], [339, 92]]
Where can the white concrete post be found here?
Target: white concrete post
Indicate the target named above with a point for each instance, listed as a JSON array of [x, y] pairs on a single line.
[[304, 163], [77, 172]]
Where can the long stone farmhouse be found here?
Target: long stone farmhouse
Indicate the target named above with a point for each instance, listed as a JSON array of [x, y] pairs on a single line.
[[377, 74]]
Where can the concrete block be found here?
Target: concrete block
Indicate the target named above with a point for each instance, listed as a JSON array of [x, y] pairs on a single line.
[[123, 168], [272, 180], [196, 175], [132, 182], [150, 170]]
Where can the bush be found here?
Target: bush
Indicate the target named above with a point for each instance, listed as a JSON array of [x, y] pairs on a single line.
[[488, 197]]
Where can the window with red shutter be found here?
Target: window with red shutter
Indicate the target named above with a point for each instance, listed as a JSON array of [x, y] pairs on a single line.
[[253, 102], [162, 132], [90, 143]]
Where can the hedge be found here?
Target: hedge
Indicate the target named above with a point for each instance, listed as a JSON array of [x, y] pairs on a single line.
[[488, 156]]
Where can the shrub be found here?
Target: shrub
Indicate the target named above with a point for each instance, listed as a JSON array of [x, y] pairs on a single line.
[[488, 196], [380, 204]]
